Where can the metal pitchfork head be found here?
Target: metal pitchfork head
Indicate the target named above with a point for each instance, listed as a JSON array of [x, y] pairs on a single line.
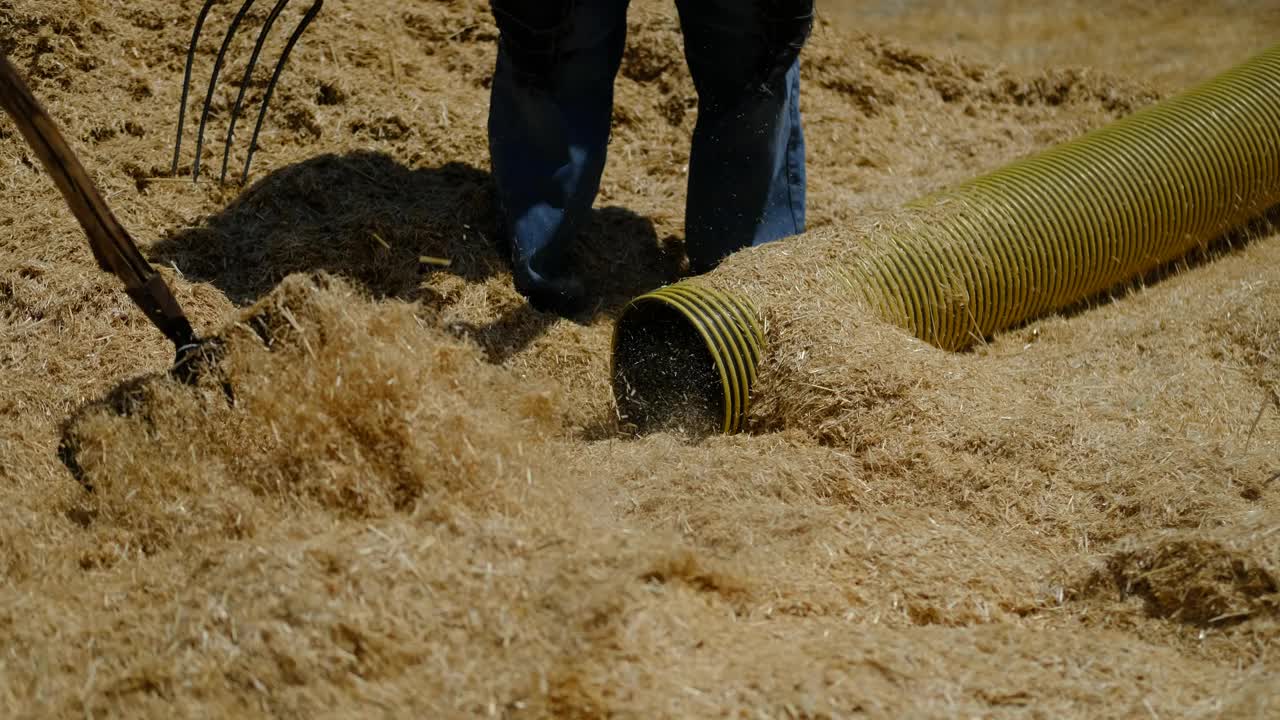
[[244, 84]]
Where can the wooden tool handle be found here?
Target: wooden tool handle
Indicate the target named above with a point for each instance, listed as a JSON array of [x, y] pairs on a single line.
[[112, 246]]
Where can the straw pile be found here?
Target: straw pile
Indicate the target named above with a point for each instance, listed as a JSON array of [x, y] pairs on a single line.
[[416, 501]]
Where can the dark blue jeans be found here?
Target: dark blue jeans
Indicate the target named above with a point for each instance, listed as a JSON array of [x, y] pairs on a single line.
[[552, 101]]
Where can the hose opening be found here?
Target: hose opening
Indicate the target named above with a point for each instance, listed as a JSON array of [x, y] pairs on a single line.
[[684, 359]]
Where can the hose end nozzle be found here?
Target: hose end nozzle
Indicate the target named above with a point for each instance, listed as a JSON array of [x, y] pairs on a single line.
[[685, 357]]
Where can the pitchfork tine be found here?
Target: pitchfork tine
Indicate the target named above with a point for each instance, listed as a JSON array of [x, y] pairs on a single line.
[[186, 81], [213, 83], [275, 75], [244, 84]]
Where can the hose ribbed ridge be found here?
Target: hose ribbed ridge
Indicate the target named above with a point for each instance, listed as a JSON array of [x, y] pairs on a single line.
[[1054, 229]]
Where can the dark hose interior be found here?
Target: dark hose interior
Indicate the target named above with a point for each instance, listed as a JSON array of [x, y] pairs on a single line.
[[664, 377]]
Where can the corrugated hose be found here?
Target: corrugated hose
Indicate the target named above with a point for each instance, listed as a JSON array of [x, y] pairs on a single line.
[[1033, 237]]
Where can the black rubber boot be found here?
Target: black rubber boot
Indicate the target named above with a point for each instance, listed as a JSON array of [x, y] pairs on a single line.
[[548, 288]]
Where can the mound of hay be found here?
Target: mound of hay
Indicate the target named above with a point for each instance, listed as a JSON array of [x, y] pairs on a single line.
[[363, 410], [417, 501]]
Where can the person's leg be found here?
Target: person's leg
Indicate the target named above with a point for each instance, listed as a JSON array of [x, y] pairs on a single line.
[[746, 167], [549, 116]]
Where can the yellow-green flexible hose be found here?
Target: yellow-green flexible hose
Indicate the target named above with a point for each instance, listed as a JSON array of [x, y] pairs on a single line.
[[1059, 227], [1033, 237]]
